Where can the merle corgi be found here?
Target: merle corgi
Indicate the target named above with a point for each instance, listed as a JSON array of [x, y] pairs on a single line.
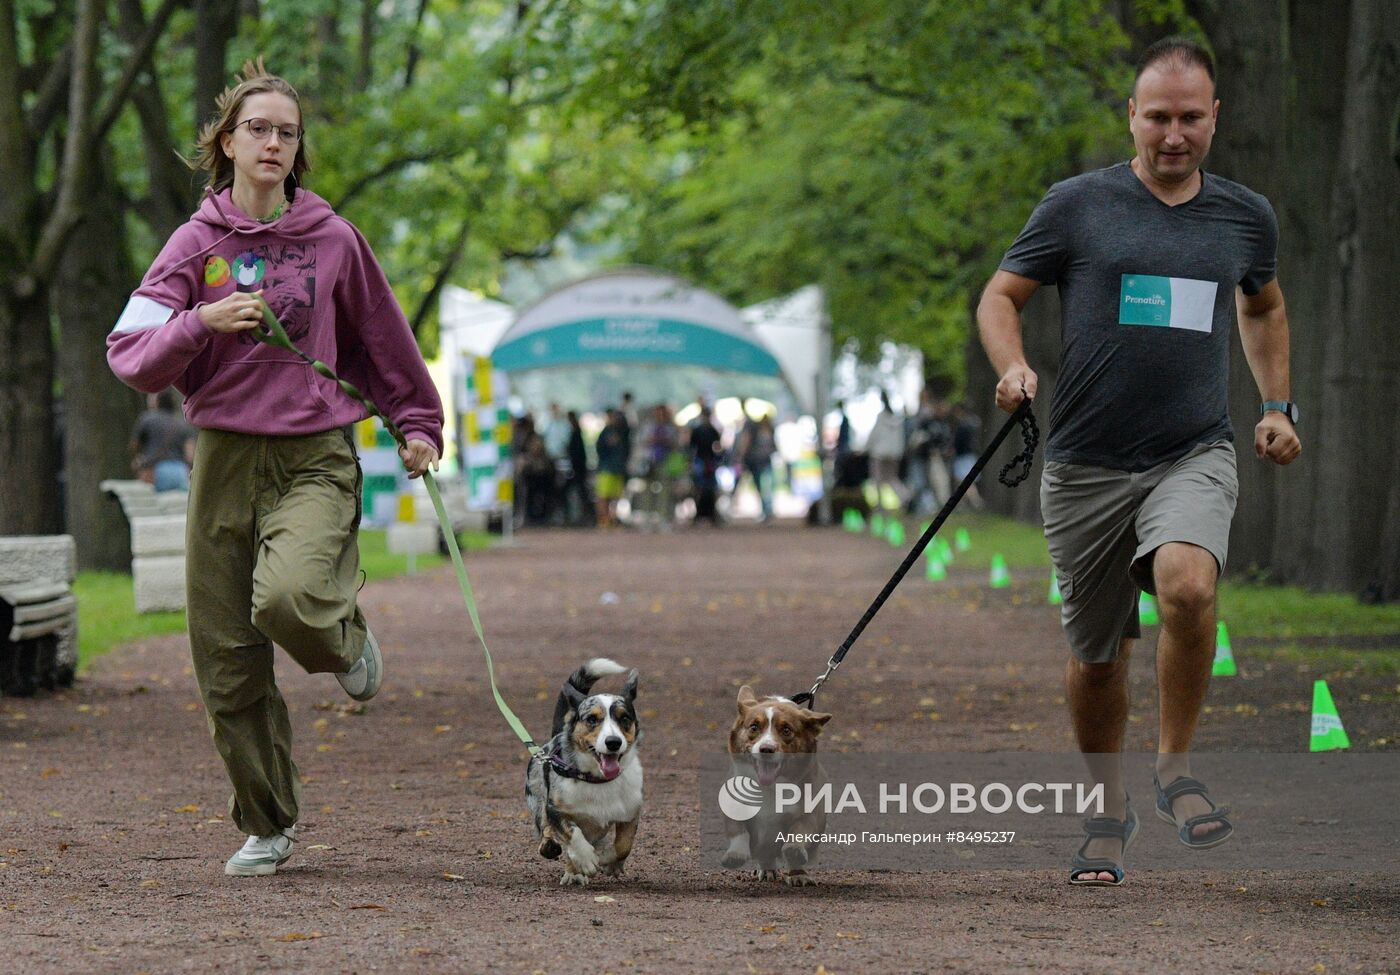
[[584, 789], [775, 740]]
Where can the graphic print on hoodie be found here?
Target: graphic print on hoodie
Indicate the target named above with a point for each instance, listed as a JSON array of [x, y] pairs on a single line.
[[284, 273], [319, 276]]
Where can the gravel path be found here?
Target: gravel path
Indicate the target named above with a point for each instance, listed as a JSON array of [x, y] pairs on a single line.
[[415, 856]]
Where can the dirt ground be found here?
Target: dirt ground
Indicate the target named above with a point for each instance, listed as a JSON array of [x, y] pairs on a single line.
[[415, 857]]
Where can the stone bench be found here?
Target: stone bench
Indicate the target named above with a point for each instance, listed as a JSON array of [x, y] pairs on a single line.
[[38, 613], [157, 543]]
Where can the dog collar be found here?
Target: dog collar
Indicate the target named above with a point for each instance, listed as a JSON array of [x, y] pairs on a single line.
[[556, 762]]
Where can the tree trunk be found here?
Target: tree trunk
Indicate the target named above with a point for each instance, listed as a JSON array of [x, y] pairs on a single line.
[[29, 499], [1248, 38], [93, 283], [217, 25], [1312, 128], [1362, 355]]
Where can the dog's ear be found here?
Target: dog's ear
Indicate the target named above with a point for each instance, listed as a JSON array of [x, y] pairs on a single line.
[[572, 694], [746, 698], [629, 689], [816, 718]]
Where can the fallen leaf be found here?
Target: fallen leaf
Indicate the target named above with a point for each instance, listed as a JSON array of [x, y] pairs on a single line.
[[49, 773], [298, 936], [191, 808], [440, 729], [319, 846], [150, 883], [368, 907], [453, 877], [604, 899]]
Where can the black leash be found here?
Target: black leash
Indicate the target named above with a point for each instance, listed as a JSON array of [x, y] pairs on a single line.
[[1030, 436]]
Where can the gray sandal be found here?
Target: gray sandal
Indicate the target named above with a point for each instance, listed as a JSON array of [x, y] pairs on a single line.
[[1187, 786], [1097, 827]]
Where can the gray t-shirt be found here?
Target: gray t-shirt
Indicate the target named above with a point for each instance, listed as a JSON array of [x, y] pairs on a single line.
[[1147, 295]]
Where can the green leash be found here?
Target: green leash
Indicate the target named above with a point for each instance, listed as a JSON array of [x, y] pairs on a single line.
[[272, 333]]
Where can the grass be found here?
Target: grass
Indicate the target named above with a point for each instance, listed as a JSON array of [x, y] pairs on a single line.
[[1281, 615], [107, 614]]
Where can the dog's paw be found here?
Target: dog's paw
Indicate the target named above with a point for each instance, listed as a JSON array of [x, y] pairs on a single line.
[[584, 858], [571, 879], [612, 868], [759, 873], [738, 853], [794, 855], [798, 878]]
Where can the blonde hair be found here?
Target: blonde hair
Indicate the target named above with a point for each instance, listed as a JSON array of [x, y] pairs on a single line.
[[210, 157]]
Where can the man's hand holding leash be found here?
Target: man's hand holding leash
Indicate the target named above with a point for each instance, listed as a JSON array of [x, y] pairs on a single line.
[[1017, 383]]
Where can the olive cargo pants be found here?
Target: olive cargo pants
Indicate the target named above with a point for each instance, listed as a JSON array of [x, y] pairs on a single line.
[[272, 556]]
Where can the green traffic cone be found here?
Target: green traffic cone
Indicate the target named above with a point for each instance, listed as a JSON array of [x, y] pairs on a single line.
[[1327, 732], [962, 541], [1147, 610], [895, 532], [1000, 576], [935, 570], [1054, 598], [1224, 665]]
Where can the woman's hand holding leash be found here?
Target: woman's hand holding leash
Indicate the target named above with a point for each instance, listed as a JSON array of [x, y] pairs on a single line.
[[1017, 383], [418, 456], [237, 312]]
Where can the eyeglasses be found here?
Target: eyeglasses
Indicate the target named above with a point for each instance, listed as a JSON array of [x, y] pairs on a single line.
[[261, 128]]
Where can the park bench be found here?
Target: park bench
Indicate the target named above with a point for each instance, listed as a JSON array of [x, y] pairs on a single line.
[[38, 613], [157, 523]]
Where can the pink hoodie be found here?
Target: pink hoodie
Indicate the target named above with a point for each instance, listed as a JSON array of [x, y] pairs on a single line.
[[321, 280]]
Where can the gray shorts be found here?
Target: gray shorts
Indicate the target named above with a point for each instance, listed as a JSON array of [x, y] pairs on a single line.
[[1104, 525]]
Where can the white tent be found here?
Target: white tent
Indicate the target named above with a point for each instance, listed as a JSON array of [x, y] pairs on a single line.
[[794, 329], [641, 315], [470, 324]]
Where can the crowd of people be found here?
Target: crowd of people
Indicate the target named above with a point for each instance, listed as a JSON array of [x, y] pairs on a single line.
[[642, 456], [914, 459]]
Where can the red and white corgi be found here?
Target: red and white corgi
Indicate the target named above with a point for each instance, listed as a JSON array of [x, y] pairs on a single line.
[[775, 740]]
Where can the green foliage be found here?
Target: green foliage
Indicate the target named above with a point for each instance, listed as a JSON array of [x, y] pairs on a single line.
[[887, 149], [1280, 614]]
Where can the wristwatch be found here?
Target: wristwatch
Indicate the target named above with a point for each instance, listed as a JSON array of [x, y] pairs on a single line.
[[1286, 407]]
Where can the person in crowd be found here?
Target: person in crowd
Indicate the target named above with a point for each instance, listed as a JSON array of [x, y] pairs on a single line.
[[755, 448], [577, 498], [967, 447], [162, 444], [885, 445], [705, 457], [930, 448], [665, 466], [611, 475]]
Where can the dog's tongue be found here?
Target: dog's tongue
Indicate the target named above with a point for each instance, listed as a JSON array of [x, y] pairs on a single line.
[[609, 766]]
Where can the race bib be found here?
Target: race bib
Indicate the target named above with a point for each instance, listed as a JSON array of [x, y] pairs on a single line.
[[1147, 299]]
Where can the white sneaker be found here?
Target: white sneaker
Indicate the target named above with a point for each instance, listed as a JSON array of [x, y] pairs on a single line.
[[261, 855], [363, 680]]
